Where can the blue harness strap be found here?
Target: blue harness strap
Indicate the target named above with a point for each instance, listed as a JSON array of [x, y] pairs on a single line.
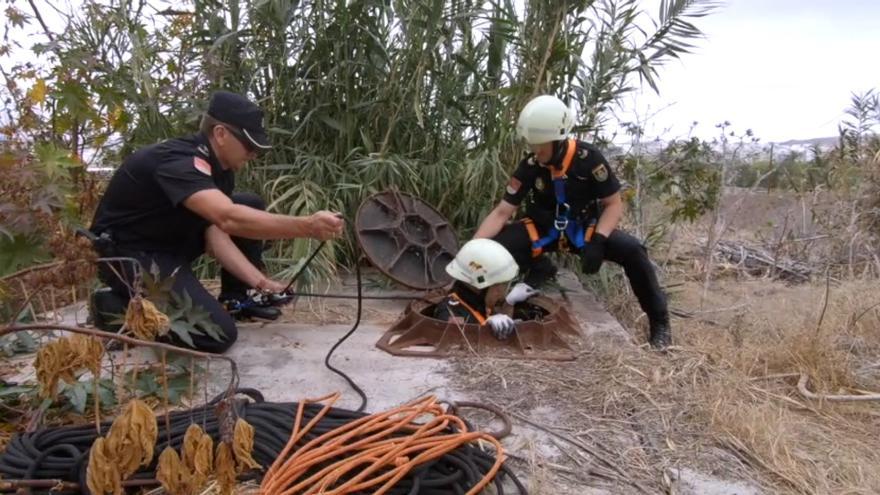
[[574, 231]]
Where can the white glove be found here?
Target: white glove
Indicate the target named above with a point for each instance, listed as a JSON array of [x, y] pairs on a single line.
[[502, 325], [520, 293]]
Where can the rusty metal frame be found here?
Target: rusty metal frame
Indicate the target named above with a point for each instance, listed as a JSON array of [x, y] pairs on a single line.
[[418, 335]]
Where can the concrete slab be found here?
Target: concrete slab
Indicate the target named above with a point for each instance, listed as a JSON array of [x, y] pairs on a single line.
[[286, 362]]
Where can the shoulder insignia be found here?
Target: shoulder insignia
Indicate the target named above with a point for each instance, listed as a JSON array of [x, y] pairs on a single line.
[[600, 172], [583, 152], [203, 150], [539, 183], [513, 185], [202, 166], [531, 160]]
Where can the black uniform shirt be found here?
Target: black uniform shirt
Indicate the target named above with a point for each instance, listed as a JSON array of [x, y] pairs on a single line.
[[142, 208], [450, 308], [589, 178]]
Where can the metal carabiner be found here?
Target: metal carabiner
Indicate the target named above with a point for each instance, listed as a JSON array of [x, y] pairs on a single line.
[[561, 221]]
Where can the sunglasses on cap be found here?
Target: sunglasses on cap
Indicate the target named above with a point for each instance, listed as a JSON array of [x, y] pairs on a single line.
[[248, 145]]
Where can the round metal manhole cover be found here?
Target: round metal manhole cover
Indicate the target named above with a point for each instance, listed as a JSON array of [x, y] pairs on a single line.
[[407, 239]]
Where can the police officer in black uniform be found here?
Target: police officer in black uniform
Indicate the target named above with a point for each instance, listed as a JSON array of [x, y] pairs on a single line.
[[574, 205], [170, 202]]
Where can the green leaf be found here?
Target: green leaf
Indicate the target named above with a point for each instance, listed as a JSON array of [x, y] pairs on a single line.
[[78, 396], [54, 161], [16, 390], [182, 331], [213, 330], [26, 341], [20, 252], [106, 394], [177, 388], [148, 383], [330, 121]]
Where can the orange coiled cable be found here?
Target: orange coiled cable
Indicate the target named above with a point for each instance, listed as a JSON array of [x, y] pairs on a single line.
[[373, 452]]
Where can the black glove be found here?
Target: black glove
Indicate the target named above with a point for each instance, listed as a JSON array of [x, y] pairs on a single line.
[[593, 253]]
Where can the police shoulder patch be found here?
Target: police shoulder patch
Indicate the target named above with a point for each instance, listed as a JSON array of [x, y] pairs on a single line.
[[202, 166], [600, 172], [513, 185], [539, 184]]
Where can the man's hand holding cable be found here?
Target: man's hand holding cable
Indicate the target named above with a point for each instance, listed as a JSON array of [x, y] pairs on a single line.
[[326, 225], [593, 253], [502, 326], [269, 286]]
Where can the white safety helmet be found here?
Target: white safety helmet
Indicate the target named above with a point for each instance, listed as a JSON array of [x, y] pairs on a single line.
[[482, 263], [544, 119]]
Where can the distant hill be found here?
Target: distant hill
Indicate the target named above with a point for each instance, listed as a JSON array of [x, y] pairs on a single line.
[[825, 142], [761, 149]]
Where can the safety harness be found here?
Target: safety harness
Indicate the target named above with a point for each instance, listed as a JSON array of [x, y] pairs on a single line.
[[575, 233], [481, 318]]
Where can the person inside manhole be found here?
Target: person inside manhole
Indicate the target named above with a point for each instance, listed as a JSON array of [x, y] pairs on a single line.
[[573, 205], [482, 270], [170, 202]]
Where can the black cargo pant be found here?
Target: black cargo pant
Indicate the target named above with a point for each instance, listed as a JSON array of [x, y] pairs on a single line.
[[621, 248], [185, 281]]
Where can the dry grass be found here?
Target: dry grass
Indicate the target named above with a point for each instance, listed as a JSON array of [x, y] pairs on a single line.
[[725, 401]]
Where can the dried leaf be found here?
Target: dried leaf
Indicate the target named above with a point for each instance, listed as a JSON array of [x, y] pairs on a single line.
[[62, 358], [102, 475], [243, 446], [144, 319], [191, 444], [132, 437], [54, 362], [198, 455], [88, 353], [171, 473], [224, 469], [204, 460]]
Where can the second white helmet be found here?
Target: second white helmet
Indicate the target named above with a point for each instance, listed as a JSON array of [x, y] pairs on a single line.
[[482, 263], [544, 119]]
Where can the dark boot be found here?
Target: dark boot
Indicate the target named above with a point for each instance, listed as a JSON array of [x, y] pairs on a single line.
[[661, 334], [107, 310], [250, 307]]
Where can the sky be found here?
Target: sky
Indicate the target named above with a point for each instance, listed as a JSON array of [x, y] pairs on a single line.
[[783, 68]]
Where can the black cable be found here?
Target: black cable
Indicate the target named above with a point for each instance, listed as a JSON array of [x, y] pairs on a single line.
[[357, 322], [420, 296], [304, 266]]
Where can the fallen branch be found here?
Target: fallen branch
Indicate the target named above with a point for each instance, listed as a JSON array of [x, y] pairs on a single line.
[[802, 388], [757, 261]]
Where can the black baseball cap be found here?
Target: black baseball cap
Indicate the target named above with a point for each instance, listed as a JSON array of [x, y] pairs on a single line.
[[238, 111]]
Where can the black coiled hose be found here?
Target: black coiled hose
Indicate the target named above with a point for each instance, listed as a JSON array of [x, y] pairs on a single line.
[[62, 453]]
